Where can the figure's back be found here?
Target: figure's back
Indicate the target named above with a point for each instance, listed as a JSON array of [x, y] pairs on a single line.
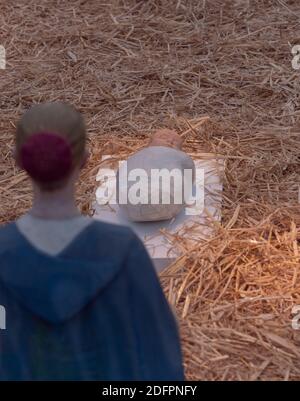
[[95, 311]]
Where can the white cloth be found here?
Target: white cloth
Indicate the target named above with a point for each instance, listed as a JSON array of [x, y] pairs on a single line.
[[51, 236], [150, 159]]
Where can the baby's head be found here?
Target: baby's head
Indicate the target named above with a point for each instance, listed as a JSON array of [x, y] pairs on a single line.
[[50, 144], [166, 137]]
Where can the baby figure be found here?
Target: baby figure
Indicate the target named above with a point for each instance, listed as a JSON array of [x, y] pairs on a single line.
[[153, 184]]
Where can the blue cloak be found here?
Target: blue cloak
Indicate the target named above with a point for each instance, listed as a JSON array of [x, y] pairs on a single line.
[[94, 312]]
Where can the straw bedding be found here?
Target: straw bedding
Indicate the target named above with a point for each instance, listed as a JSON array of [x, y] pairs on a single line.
[[133, 66]]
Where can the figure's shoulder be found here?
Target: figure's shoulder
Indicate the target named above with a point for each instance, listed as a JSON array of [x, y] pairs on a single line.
[[108, 241], [109, 228], [112, 234], [7, 229], [8, 235]]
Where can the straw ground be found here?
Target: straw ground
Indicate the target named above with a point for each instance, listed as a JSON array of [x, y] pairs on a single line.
[[133, 66]]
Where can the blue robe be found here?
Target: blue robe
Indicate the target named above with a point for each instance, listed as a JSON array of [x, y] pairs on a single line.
[[96, 311]]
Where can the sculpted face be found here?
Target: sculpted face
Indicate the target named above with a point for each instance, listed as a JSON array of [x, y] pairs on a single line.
[[166, 137]]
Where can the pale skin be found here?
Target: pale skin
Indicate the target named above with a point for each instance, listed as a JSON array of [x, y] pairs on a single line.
[[166, 137]]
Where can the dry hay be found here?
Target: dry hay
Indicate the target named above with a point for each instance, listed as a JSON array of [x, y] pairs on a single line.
[[132, 66]]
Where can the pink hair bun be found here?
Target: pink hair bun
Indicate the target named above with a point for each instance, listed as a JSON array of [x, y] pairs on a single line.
[[46, 157]]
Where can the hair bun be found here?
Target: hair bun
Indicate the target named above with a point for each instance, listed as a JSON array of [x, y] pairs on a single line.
[[46, 157]]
